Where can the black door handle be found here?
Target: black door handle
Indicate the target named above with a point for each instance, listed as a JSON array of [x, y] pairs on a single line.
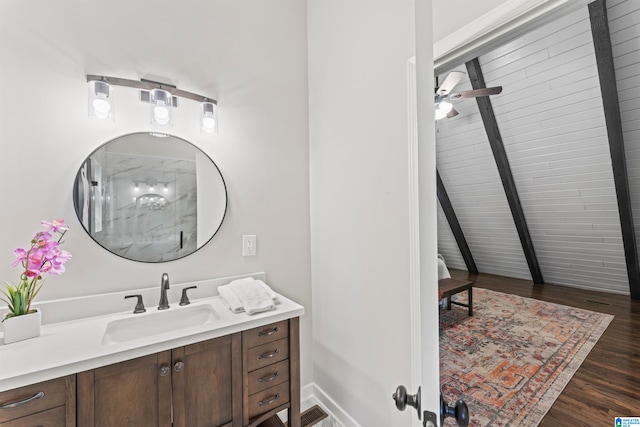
[[459, 412], [403, 399]]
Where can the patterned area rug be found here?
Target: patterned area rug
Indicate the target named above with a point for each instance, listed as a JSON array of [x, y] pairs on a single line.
[[512, 359]]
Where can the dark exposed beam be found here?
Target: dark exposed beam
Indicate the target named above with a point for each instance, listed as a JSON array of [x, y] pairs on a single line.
[[445, 202], [609, 89], [500, 156]]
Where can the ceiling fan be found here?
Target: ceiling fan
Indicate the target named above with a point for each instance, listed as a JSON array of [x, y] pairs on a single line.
[[444, 108]]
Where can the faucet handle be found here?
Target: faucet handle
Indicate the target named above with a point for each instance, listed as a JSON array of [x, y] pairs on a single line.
[[139, 306], [184, 300]]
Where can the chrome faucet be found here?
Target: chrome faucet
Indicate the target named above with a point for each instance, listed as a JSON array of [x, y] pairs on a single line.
[[164, 285]]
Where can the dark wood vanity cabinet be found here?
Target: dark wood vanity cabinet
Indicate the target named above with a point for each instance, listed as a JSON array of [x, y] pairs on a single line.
[[238, 380], [195, 385], [271, 372], [46, 404]]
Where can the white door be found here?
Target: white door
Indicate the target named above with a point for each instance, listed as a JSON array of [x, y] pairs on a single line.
[[373, 241]]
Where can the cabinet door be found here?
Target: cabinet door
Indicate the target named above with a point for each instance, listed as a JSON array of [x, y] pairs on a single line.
[[207, 383], [135, 393]]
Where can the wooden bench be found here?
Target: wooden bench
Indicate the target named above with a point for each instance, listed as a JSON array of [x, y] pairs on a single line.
[[450, 287]]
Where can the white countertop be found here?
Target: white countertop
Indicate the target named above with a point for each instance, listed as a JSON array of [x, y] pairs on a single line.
[[74, 346]]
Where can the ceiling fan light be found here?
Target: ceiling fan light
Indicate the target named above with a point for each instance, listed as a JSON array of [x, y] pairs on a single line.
[[445, 107], [439, 113]]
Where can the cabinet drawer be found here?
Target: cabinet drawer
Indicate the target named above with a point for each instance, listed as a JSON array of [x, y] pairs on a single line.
[[265, 334], [51, 418], [268, 399], [36, 398], [269, 376], [266, 354]]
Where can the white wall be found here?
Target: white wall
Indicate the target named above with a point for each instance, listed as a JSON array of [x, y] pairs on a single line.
[[250, 55], [447, 245], [358, 52], [451, 15]]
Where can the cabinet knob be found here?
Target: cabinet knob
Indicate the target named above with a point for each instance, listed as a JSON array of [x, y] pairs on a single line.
[[179, 366], [164, 371]]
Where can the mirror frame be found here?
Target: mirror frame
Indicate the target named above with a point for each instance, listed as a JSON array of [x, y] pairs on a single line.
[[75, 192]]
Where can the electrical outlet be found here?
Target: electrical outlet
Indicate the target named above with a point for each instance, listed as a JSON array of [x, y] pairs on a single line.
[[249, 245]]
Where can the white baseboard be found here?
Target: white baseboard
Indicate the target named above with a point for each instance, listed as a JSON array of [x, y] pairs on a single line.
[[311, 395]]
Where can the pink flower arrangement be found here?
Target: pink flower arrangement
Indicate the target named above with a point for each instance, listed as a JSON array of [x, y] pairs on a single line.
[[43, 256]]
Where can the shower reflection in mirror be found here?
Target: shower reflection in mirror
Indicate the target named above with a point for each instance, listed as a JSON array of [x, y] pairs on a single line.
[[142, 202]]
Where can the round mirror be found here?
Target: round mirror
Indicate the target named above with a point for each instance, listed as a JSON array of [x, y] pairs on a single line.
[[150, 197]]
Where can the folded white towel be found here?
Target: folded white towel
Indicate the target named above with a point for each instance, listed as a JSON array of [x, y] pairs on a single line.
[[229, 298], [248, 295]]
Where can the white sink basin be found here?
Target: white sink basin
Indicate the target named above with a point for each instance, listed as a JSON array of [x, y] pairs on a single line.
[[158, 322]]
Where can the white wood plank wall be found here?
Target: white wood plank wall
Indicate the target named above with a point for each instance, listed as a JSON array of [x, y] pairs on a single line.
[[447, 245], [552, 124], [624, 26], [470, 176]]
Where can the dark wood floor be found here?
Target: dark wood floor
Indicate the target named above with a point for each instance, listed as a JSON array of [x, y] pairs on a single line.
[[607, 384]]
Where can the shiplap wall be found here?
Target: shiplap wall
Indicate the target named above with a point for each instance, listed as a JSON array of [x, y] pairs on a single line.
[[552, 124], [447, 245], [624, 26], [469, 173]]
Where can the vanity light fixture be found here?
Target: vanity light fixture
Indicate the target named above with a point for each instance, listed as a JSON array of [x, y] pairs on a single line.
[[209, 117], [100, 100], [162, 97], [135, 187], [166, 189], [161, 102]]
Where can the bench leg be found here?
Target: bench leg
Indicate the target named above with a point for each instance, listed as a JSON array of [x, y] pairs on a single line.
[[470, 292]]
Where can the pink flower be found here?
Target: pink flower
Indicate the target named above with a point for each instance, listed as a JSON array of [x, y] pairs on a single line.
[[21, 255], [43, 256], [55, 225]]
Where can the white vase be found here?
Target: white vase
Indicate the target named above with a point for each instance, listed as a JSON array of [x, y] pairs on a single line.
[[23, 327]]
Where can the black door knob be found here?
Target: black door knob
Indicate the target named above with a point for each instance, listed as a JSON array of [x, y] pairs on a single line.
[[403, 399], [459, 412]]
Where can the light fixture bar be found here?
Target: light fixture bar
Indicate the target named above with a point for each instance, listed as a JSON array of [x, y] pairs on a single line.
[[149, 85]]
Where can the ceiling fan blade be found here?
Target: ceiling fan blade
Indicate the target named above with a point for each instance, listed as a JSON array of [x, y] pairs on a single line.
[[477, 92], [449, 83], [452, 113]]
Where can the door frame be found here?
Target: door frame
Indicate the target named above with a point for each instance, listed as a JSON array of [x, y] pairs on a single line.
[[485, 33], [414, 232]]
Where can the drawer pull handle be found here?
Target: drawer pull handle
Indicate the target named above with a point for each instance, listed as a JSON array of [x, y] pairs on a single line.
[[268, 355], [36, 396], [269, 378], [164, 371], [270, 401], [270, 332]]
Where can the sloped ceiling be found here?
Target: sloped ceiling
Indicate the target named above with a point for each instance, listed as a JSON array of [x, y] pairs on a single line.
[[551, 119]]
